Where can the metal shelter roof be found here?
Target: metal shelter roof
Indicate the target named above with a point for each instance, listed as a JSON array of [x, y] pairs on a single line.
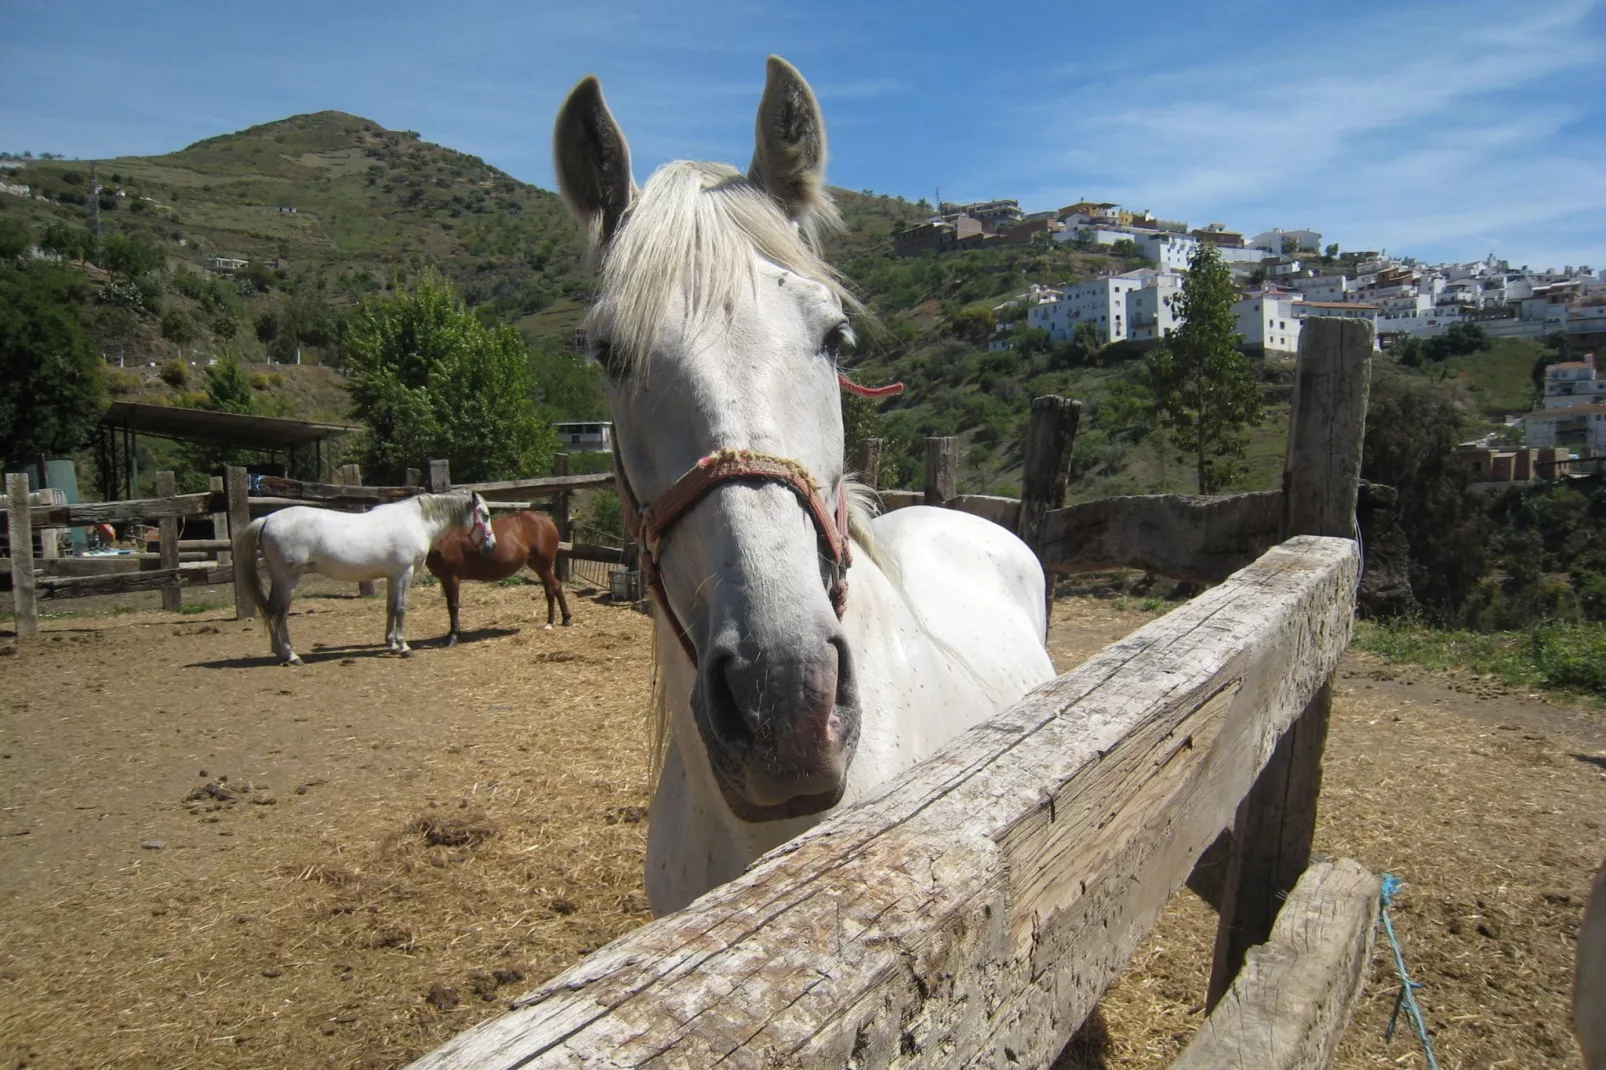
[[227, 428]]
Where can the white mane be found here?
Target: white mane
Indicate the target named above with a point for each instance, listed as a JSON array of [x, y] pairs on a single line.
[[693, 230], [443, 508]]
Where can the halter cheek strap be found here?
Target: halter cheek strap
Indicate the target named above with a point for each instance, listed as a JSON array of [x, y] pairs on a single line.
[[649, 524]]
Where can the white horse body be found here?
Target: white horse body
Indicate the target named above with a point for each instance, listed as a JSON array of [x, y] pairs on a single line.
[[792, 682], [388, 542], [933, 661]]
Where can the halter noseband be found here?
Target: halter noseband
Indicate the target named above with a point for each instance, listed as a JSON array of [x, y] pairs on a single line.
[[650, 523]]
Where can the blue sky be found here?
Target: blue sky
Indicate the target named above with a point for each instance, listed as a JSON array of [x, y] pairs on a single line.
[[1437, 130]]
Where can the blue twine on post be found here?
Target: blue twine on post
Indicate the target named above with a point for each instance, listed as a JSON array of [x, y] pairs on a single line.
[[1408, 987], [256, 484]]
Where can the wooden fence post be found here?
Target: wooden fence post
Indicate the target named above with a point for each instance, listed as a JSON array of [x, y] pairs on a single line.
[[440, 477], [942, 469], [351, 476], [19, 530], [560, 515], [237, 492], [49, 538], [1276, 821], [413, 478], [220, 521], [869, 462], [1050, 440], [167, 530]]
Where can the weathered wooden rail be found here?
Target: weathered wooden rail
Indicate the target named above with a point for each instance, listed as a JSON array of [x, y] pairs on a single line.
[[235, 500], [974, 914]]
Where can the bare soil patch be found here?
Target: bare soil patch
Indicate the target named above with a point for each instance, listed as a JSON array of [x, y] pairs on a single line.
[[209, 860]]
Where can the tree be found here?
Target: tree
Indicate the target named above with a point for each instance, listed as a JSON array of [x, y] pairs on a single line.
[[51, 387], [1204, 390], [1411, 435], [431, 381], [1332, 251], [129, 256], [267, 326], [178, 327], [15, 239], [567, 384], [974, 324], [228, 388], [71, 242]]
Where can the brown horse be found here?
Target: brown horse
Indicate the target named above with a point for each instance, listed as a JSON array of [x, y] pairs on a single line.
[[525, 538]]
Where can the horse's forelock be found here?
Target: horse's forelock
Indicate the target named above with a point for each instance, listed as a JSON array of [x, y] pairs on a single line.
[[693, 231]]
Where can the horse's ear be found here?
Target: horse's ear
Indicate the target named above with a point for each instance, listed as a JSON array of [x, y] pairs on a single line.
[[789, 157], [592, 161]]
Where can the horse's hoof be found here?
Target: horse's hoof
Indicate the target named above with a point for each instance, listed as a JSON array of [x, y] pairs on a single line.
[[546, 627], [568, 622], [405, 652], [451, 640], [292, 660]]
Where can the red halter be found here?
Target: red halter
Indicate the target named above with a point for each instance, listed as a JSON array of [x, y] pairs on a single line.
[[650, 523]]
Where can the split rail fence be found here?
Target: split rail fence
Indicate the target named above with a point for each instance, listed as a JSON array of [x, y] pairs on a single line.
[[235, 499], [975, 913]]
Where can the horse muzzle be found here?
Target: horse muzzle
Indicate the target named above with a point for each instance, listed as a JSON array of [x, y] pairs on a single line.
[[779, 726]]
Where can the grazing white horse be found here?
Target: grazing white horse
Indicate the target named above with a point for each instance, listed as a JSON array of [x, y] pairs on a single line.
[[800, 668], [388, 541], [1589, 986]]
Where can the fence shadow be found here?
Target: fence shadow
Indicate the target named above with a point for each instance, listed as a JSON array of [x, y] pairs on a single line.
[[352, 651]]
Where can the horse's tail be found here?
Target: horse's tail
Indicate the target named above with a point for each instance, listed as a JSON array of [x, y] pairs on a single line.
[[246, 545]]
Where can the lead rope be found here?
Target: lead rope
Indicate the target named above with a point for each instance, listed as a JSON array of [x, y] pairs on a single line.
[[1408, 987]]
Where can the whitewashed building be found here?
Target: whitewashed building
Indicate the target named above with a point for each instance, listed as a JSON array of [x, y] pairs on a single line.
[[1151, 310], [1101, 302], [1267, 320], [1571, 425], [1322, 287], [1344, 310], [1167, 251], [1273, 239], [591, 436]]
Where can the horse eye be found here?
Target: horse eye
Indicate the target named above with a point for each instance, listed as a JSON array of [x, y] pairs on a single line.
[[602, 352], [839, 338]]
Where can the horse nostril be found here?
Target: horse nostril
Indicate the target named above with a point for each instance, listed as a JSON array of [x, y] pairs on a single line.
[[724, 712]]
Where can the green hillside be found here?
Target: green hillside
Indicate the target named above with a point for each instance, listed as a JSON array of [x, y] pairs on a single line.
[[374, 207], [371, 206]]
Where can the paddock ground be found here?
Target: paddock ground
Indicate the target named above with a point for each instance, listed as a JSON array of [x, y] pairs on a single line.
[[401, 845]]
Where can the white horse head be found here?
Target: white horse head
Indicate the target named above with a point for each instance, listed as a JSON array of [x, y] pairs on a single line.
[[718, 325], [477, 522]]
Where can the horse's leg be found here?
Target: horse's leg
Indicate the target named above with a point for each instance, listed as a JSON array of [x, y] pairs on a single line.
[[554, 593], [390, 614], [284, 588], [452, 585], [396, 588]]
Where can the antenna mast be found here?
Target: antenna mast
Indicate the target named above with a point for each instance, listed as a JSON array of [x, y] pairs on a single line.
[[94, 199]]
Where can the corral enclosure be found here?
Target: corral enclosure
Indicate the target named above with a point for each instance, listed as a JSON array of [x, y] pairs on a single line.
[[1178, 722], [314, 930]]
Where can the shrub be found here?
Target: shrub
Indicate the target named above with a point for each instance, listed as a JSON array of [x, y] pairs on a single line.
[[259, 381], [120, 382], [178, 327], [175, 373]]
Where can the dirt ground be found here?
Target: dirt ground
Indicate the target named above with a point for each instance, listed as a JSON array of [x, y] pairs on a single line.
[[209, 860]]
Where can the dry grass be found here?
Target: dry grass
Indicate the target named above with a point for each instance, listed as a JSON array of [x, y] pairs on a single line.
[[400, 846], [381, 852]]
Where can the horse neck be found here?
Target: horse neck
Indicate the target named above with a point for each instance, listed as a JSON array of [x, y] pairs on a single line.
[[441, 513]]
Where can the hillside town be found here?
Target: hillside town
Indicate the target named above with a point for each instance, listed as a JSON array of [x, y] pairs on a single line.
[[1286, 277]]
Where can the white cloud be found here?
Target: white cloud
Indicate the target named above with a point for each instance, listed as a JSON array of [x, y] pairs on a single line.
[[1419, 132]]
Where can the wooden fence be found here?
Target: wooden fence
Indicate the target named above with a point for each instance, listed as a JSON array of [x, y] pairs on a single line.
[[235, 499], [974, 914]]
